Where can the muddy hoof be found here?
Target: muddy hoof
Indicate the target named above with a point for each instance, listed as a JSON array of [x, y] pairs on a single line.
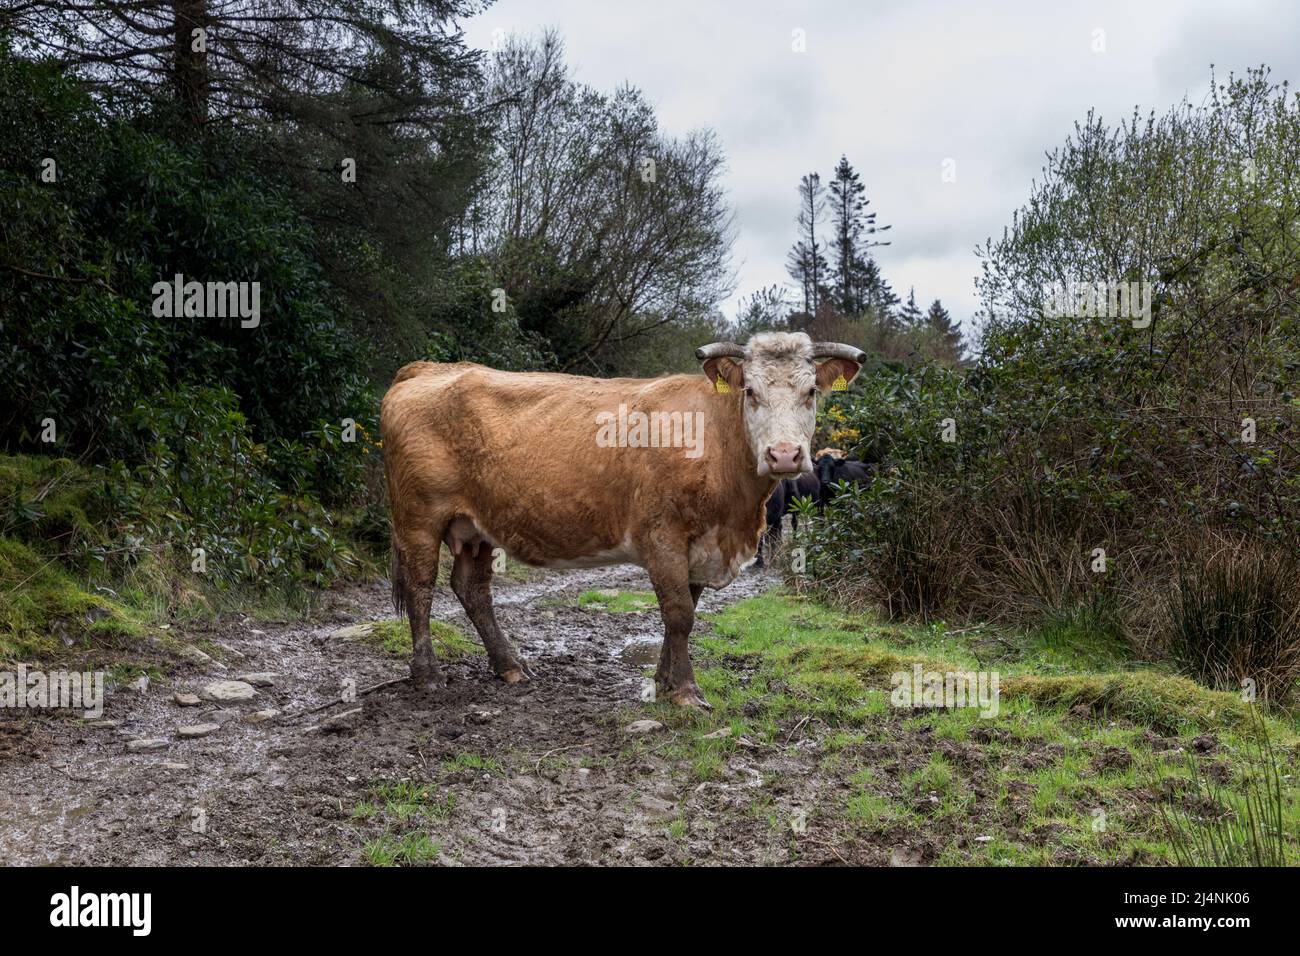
[[516, 672], [428, 681], [690, 696]]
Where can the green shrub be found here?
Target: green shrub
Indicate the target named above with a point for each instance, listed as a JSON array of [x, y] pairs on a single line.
[[1081, 460], [206, 484], [79, 258]]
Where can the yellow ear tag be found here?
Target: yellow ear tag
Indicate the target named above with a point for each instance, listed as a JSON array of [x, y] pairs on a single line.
[[721, 385], [841, 384]]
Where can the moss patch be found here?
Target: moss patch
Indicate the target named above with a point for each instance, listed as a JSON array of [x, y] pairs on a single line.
[[54, 500], [46, 615]]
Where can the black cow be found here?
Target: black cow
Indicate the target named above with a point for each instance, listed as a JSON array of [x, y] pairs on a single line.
[[779, 505], [831, 470]]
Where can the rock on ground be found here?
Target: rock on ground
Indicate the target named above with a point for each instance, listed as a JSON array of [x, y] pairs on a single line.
[[197, 730], [259, 678], [148, 743], [643, 727], [227, 690]]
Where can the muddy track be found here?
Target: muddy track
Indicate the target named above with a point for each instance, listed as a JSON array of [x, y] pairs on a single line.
[[534, 773]]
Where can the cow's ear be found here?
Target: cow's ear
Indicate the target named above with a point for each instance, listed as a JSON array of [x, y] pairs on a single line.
[[726, 374], [834, 374]]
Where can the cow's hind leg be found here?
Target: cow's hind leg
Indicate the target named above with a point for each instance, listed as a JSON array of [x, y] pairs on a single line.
[[414, 573], [471, 580]]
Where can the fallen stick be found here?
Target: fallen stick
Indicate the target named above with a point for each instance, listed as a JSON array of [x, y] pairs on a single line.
[[361, 693]]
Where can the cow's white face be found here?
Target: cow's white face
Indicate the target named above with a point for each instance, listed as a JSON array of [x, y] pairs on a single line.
[[780, 380]]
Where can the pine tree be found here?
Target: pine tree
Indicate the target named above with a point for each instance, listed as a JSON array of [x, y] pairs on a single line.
[[911, 316], [946, 332], [806, 263], [265, 59], [855, 271], [877, 294]]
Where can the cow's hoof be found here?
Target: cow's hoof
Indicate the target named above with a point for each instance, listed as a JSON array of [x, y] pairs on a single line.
[[428, 681], [516, 671], [689, 696]]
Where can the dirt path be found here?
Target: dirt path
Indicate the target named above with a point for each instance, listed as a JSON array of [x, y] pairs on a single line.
[[536, 773]]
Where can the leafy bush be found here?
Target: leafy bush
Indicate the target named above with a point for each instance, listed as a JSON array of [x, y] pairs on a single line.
[[206, 484], [79, 258], [1082, 459], [473, 321], [191, 432], [895, 541]]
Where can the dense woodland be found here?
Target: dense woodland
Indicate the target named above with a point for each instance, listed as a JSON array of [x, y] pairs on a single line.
[[399, 195]]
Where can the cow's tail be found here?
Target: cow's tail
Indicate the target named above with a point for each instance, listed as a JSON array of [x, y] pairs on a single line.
[[399, 582]]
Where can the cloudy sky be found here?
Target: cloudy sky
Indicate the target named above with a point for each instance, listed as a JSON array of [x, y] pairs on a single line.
[[900, 89]]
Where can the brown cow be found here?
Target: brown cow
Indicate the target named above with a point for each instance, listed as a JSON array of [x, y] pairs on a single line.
[[565, 471]]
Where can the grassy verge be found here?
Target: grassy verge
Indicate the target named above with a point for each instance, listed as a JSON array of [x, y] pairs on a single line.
[[1075, 768], [84, 586]]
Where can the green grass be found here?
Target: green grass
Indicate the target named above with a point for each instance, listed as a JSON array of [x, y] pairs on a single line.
[[869, 807], [619, 602], [1240, 825], [1060, 776], [405, 809], [393, 637], [406, 799], [834, 659], [465, 760], [391, 850]]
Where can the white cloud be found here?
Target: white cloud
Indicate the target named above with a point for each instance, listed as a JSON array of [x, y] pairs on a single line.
[[898, 90]]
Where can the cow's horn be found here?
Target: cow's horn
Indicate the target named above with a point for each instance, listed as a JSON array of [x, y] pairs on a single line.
[[836, 350], [719, 350]]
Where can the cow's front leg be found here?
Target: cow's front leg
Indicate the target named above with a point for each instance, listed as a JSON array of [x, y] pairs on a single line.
[[663, 674], [675, 678]]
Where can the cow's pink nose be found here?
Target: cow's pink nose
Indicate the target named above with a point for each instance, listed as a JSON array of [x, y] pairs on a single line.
[[784, 456]]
